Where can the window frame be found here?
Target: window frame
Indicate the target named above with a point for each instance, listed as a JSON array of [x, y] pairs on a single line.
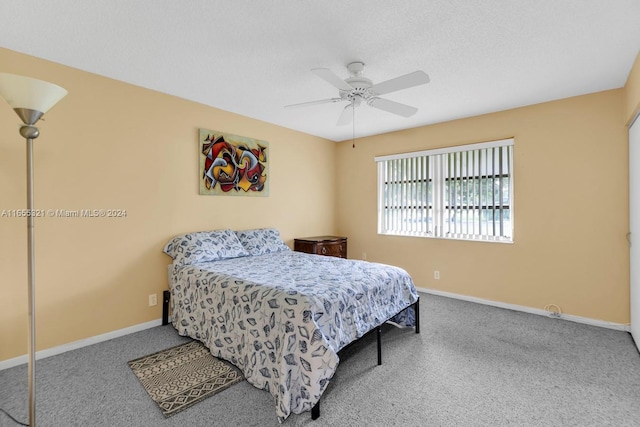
[[438, 176]]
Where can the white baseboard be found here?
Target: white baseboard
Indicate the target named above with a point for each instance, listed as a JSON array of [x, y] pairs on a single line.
[[525, 309], [10, 363]]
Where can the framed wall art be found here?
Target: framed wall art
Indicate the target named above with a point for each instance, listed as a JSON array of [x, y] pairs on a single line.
[[233, 165]]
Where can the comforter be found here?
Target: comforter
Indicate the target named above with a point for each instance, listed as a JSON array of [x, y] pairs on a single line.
[[282, 317]]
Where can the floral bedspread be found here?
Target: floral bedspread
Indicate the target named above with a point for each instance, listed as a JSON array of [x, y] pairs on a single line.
[[282, 317]]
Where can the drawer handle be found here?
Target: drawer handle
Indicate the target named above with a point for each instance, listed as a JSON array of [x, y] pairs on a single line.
[[324, 251]]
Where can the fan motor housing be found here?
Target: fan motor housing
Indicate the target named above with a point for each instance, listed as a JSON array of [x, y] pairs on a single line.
[[361, 86]]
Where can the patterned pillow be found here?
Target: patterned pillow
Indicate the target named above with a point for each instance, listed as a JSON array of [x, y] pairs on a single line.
[[262, 241], [204, 246]]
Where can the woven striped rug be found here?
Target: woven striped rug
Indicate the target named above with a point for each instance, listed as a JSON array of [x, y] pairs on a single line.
[[181, 376]]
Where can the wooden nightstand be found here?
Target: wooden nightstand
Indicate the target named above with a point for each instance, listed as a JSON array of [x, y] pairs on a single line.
[[322, 245]]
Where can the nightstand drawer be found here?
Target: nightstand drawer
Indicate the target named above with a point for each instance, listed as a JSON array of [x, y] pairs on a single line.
[[322, 245]]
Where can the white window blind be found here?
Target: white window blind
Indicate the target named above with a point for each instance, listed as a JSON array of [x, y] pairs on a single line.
[[463, 192]]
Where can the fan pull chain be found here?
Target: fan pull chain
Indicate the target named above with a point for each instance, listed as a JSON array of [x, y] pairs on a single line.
[[353, 121]]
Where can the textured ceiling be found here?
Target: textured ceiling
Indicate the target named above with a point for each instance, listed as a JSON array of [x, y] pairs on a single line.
[[255, 57]]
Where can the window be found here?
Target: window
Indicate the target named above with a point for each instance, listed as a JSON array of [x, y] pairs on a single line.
[[463, 192]]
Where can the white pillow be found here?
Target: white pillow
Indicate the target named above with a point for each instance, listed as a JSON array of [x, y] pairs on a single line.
[[204, 246], [262, 241]]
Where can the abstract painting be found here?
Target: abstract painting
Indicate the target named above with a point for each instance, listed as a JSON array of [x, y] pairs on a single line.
[[233, 165]]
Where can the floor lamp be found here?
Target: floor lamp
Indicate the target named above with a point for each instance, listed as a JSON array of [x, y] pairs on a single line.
[[30, 99]]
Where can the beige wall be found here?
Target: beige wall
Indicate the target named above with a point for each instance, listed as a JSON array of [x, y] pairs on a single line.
[[109, 145], [113, 145], [571, 209], [632, 92]]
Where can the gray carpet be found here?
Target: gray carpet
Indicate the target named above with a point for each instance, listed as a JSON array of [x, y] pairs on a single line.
[[472, 365]]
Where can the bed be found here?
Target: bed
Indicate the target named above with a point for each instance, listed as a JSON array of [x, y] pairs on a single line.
[[278, 315]]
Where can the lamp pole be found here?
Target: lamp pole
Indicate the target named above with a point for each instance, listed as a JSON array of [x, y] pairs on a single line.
[[30, 99], [31, 132]]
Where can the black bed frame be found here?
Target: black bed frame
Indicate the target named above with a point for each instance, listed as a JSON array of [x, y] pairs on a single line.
[[315, 411]]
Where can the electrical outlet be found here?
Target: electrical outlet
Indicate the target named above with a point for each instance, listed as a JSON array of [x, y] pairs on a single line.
[[153, 300], [436, 274], [364, 256]]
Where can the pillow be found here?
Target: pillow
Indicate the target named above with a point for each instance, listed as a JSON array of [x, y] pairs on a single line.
[[262, 241], [204, 246]]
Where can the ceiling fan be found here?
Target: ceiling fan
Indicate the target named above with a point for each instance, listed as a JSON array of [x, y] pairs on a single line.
[[358, 88]]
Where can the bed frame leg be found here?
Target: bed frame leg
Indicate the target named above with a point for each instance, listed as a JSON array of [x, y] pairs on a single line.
[[315, 411], [379, 333], [416, 309], [166, 296]]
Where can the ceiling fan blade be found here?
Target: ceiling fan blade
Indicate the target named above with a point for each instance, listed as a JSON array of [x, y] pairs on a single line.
[[328, 76], [346, 116], [392, 107], [403, 82], [306, 104]]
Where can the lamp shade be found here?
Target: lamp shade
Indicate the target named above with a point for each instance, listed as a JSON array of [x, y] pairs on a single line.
[[29, 93]]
